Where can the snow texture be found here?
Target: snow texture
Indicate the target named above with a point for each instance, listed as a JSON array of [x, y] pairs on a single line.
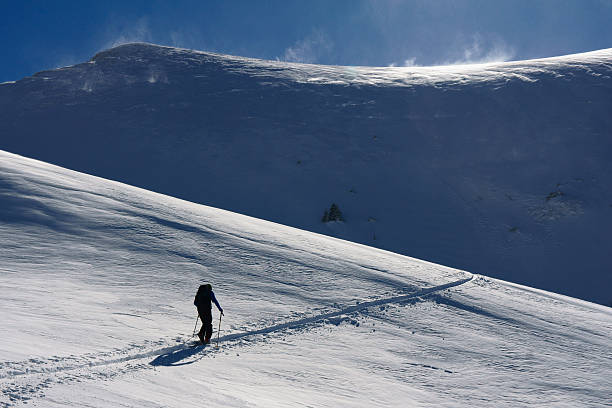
[[502, 169], [97, 280]]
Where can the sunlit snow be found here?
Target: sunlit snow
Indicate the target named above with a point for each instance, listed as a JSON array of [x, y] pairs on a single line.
[[97, 281]]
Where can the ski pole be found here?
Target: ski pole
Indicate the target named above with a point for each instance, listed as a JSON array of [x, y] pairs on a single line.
[[196, 325], [219, 331]]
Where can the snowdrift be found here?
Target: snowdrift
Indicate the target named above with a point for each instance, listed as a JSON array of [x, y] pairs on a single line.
[[500, 169], [97, 280]]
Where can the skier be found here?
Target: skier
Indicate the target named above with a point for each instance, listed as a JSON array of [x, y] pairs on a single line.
[[203, 302]]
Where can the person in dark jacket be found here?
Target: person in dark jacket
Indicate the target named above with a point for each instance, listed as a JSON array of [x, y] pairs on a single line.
[[203, 301]]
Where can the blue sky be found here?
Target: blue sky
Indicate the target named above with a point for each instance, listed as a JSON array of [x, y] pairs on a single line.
[[38, 35]]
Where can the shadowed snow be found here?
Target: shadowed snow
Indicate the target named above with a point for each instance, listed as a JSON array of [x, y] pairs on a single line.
[[500, 168]]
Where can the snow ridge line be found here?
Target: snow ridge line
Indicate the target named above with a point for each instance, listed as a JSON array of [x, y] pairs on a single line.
[[288, 325]]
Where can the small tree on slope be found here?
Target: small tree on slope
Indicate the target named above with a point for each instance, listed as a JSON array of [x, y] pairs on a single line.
[[333, 214]]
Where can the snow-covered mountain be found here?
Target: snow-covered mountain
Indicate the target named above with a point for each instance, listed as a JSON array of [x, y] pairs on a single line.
[[501, 169], [97, 280]]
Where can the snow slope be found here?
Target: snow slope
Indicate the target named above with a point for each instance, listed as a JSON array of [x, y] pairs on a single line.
[[501, 169], [96, 286]]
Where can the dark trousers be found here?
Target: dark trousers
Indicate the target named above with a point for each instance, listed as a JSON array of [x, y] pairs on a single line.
[[206, 317]]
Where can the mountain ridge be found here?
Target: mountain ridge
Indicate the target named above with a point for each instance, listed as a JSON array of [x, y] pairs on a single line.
[[499, 168], [437, 73]]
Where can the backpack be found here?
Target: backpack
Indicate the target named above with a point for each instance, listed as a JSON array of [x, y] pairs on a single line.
[[203, 298]]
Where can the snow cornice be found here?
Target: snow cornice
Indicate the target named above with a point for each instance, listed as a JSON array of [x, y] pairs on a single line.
[[525, 70]]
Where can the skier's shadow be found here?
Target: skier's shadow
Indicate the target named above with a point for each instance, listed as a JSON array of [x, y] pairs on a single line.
[[174, 357]]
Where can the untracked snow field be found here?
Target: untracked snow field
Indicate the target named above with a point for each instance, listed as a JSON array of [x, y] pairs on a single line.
[[97, 280]]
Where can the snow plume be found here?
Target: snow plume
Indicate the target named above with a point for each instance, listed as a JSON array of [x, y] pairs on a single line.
[[138, 31], [309, 49], [410, 62], [476, 51], [479, 51], [183, 38]]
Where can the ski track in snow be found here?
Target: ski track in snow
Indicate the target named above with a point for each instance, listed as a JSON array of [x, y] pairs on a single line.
[[27, 379]]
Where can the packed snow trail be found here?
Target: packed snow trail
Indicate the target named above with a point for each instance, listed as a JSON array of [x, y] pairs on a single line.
[[32, 367], [346, 311], [42, 374]]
